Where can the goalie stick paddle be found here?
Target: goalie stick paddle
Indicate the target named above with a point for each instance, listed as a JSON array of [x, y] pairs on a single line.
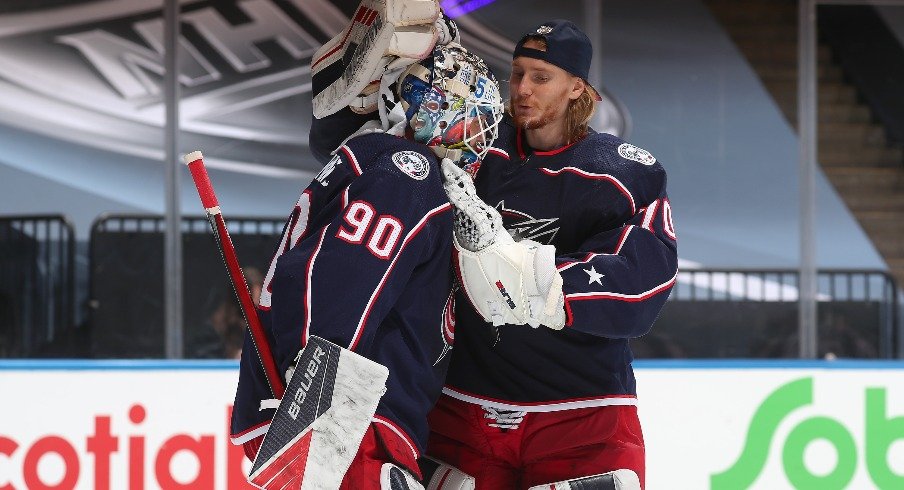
[[195, 163]]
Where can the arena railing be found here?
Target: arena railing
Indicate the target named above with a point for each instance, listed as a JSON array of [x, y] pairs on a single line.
[[711, 313], [752, 313], [126, 281], [37, 283]]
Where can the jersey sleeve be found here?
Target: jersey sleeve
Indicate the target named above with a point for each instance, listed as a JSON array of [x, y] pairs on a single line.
[[345, 277], [618, 282], [248, 422]]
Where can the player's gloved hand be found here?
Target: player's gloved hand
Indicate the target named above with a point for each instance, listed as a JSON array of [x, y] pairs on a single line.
[[404, 50], [477, 225], [508, 282], [389, 35]]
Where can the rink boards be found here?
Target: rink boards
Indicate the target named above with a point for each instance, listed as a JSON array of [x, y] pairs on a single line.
[[707, 424]]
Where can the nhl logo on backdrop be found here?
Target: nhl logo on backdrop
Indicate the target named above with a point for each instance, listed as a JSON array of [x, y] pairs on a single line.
[[113, 55], [631, 152], [412, 163]]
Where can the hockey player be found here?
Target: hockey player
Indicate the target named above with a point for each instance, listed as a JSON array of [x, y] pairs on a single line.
[[365, 257], [522, 406]]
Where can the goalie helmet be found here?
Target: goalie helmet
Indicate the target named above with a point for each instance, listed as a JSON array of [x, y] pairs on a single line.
[[452, 104]]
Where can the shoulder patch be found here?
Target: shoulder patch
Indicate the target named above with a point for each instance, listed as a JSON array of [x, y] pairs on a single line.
[[412, 163], [631, 152]]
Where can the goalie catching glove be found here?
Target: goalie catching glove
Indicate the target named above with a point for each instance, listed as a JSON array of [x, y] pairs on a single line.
[[508, 282], [383, 35]]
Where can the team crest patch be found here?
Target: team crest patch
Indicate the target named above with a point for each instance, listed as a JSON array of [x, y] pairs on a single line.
[[631, 152], [412, 163]]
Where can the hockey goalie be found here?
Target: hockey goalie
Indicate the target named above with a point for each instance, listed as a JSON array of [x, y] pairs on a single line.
[[358, 303]]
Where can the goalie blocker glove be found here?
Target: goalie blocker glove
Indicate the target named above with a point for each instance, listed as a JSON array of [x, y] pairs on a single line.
[[507, 282]]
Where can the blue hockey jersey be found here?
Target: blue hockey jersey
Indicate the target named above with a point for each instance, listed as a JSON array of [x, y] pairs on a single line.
[[364, 262], [602, 203]]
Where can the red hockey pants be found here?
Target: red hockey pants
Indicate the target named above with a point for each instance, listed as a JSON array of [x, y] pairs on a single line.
[[545, 447], [380, 445]]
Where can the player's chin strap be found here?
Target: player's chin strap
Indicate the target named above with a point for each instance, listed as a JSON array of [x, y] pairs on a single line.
[[621, 479]]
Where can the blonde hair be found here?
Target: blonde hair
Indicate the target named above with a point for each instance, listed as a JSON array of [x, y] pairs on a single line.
[[578, 114]]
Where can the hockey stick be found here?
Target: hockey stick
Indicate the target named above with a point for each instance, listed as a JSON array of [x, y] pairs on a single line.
[[195, 163]]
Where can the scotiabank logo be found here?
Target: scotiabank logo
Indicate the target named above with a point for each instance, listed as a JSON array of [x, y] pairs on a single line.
[[58, 462], [883, 430]]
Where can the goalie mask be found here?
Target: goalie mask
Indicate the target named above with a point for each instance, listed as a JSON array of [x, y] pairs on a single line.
[[452, 104]]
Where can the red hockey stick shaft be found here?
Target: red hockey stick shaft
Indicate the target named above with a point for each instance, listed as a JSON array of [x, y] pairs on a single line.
[[195, 162]]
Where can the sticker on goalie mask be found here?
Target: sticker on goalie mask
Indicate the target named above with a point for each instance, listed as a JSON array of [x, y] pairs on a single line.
[[631, 152], [412, 163]]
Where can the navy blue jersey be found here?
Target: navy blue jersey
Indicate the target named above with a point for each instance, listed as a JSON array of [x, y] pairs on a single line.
[[364, 262], [602, 203]]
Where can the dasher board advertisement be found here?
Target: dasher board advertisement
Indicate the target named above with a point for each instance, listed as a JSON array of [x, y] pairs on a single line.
[[773, 425], [768, 425]]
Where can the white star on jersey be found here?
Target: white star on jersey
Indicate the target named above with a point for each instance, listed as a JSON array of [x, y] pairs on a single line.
[[595, 277]]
